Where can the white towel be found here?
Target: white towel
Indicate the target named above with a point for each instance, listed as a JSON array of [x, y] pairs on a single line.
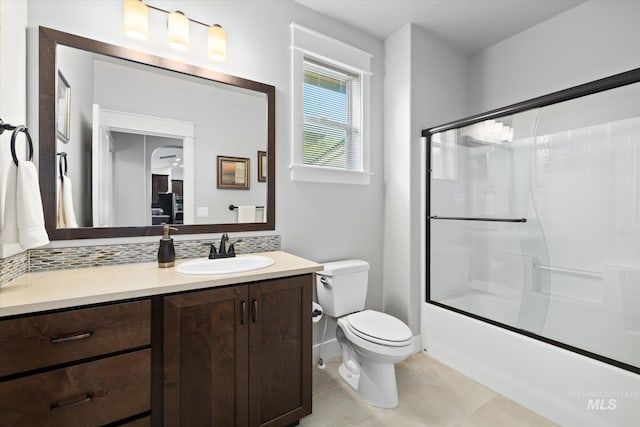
[[9, 233], [246, 214], [66, 213], [31, 231]]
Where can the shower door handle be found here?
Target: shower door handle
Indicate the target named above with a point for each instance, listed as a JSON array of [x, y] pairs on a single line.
[[471, 218]]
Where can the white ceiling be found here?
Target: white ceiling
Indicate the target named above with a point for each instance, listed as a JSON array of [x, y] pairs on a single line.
[[470, 25]]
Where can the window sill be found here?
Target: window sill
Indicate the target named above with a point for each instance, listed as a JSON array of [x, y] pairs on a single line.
[[329, 175]]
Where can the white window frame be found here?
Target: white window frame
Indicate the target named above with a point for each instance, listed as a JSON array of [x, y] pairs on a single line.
[[314, 45]]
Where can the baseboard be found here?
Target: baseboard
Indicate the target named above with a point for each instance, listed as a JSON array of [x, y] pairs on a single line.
[[330, 350]]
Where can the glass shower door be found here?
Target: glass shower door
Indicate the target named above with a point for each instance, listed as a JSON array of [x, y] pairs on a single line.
[[586, 186], [534, 218], [485, 238]]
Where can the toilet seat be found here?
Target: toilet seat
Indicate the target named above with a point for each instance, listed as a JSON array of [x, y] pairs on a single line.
[[379, 328]]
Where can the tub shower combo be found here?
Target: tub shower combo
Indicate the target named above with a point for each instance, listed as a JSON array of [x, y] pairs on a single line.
[[534, 218]]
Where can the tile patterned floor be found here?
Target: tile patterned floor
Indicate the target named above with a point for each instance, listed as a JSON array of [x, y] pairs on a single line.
[[430, 394]]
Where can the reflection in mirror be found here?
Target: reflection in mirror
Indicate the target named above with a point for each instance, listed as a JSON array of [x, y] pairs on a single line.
[[224, 120], [143, 141], [129, 175], [167, 183]]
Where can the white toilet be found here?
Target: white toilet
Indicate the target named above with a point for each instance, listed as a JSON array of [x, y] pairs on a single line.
[[371, 341]]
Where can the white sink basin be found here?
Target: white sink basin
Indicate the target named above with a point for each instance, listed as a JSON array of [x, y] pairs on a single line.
[[239, 264]]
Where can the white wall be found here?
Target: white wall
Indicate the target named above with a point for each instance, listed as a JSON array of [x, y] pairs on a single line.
[[397, 145], [590, 41], [425, 85], [13, 106], [129, 180], [319, 221]]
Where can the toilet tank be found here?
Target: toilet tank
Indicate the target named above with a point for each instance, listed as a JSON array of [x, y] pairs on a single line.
[[342, 286]]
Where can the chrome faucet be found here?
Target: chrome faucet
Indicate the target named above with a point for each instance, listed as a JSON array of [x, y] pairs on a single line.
[[223, 252]]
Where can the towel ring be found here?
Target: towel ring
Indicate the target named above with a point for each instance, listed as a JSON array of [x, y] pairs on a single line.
[[62, 155], [14, 134]]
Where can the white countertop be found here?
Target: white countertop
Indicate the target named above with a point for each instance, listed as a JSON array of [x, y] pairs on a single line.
[[50, 290]]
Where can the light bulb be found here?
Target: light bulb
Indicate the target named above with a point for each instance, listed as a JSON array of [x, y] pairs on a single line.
[[178, 31], [217, 43], [136, 19]]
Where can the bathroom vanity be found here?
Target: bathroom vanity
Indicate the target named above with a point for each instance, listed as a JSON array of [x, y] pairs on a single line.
[[137, 345]]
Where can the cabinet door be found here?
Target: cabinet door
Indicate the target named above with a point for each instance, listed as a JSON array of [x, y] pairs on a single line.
[[280, 351], [205, 358]]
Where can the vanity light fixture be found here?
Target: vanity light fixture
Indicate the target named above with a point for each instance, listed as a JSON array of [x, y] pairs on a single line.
[[178, 30], [136, 19], [136, 25], [217, 43]]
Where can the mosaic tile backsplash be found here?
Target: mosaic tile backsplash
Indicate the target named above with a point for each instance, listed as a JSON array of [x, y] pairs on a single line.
[[92, 256], [13, 267]]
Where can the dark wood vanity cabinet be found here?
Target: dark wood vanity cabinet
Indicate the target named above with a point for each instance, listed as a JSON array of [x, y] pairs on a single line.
[[86, 366], [205, 358], [238, 355]]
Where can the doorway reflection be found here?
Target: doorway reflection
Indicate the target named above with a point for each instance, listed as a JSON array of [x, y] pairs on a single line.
[[167, 200]]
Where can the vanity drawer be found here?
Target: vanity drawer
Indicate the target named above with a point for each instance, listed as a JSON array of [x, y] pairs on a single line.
[[43, 340], [88, 394], [140, 422]]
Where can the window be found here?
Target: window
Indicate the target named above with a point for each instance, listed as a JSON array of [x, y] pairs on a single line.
[[330, 111], [331, 105]]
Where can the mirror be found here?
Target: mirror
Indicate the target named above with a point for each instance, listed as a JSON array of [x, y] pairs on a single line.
[[140, 139]]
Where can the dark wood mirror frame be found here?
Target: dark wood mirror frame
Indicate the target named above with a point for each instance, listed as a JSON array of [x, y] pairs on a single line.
[[49, 40]]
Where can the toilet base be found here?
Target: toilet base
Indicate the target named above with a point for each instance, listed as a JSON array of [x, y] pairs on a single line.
[[375, 383], [350, 378]]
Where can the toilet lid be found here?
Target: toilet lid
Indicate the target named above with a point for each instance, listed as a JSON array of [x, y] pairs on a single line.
[[380, 328]]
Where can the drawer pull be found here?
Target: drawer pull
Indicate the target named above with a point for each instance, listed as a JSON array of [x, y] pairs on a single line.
[[86, 399], [58, 339]]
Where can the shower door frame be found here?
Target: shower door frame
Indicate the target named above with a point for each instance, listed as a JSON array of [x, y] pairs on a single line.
[[596, 86]]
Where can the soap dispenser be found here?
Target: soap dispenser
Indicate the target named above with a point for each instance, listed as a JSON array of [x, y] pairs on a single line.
[[166, 251]]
